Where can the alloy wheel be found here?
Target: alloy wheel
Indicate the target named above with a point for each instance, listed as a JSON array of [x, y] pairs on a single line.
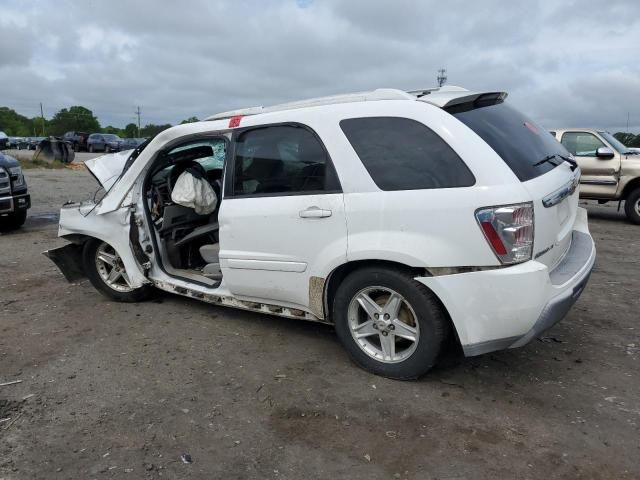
[[383, 324], [111, 269]]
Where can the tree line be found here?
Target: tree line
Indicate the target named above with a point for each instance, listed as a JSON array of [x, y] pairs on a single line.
[[76, 118], [628, 139]]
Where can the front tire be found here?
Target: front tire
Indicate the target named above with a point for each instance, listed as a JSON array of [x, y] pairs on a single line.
[[13, 220], [389, 324], [107, 274], [90, 149], [632, 206]]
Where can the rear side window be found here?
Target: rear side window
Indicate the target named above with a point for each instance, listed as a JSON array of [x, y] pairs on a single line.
[[403, 154], [519, 141], [281, 159]]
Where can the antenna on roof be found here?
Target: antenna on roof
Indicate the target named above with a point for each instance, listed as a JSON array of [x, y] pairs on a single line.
[[442, 77]]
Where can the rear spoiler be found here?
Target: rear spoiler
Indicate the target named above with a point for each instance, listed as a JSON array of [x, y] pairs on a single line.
[[477, 100], [454, 100]]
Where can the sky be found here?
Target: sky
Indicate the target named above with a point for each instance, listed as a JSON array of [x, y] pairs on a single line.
[[564, 63]]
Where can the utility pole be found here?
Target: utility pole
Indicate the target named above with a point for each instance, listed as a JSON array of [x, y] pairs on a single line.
[[442, 77], [138, 114], [42, 118]]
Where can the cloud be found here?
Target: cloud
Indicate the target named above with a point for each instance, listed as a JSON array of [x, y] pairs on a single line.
[[564, 64]]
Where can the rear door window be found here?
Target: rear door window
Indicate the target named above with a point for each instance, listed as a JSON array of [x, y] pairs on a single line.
[[403, 154], [519, 141]]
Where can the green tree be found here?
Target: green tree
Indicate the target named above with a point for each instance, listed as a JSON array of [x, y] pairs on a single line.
[[114, 130], [76, 118], [131, 130], [628, 139], [16, 125], [189, 120], [152, 130]]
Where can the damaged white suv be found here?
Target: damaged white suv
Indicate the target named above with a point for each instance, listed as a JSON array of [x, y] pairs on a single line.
[[402, 218]]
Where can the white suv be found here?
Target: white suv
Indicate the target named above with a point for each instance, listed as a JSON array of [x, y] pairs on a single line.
[[402, 218]]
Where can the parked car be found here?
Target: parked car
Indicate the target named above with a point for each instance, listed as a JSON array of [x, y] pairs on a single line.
[[104, 142], [131, 143], [4, 140], [14, 198], [77, 139], [610, 170], [13, 142], [34, 142], [401, 218], [23, 143]]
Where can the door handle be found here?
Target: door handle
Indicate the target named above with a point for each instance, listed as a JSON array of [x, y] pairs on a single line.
[[315, 212]]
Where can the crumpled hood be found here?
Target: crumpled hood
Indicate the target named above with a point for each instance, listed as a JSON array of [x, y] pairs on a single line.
[[107, 168]]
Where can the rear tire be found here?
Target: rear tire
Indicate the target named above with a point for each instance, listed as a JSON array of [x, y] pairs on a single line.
[[105, 271], [632, 206], [402, 330]]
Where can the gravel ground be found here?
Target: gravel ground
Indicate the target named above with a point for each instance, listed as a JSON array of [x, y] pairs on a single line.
[[124, 390]]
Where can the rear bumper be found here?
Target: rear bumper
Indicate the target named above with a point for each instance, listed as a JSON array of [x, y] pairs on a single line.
[[509, 307]]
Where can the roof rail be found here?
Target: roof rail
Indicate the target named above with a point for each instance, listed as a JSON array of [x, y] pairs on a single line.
[[374, 95]]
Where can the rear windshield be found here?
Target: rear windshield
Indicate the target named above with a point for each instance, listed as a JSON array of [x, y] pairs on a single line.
[[520, 142]]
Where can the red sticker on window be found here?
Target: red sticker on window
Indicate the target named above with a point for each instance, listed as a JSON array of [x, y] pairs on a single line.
[[235, 121]]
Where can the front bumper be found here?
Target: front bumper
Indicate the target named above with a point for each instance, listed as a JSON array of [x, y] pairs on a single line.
[[14, 203], [508, 307]]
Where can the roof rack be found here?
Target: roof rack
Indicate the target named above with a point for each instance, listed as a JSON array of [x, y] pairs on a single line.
[[374, 95]]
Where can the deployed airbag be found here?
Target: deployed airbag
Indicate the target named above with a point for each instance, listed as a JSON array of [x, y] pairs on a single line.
[[194, 191]]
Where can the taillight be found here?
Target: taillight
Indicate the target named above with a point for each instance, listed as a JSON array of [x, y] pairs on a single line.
[[509, 231]]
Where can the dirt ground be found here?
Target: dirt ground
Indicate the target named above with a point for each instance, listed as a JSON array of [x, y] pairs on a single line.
[[124, 390]]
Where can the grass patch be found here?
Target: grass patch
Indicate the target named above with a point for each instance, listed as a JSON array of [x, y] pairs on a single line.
[[38, 163], [27, 161]]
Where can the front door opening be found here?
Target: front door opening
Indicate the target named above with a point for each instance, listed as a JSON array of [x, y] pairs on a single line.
[[183, 198]]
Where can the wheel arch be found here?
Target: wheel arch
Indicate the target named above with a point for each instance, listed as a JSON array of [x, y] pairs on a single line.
[[336, 277], [630, 187]]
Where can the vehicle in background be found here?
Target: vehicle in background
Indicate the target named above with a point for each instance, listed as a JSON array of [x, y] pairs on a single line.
[[14, 198], [14, 142], [34, 142], [23, 144], [4, 140], [131, 143], [77, 139], [404, 219], [610, 170], [104, 142]]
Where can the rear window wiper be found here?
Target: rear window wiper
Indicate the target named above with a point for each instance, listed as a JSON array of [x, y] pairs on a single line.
[[549, 159]]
